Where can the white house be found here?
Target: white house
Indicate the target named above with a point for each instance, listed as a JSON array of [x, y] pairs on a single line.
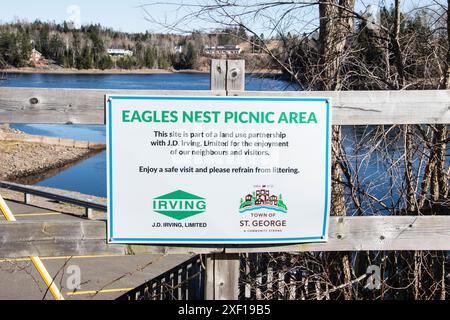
[[120, 52], [228, 49], [178, 49]]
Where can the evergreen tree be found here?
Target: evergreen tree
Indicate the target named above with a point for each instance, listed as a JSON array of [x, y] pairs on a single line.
[[150, 58], [190, 58]]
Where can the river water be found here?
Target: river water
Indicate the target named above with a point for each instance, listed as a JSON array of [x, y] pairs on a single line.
[[378, 171], [89, 176]]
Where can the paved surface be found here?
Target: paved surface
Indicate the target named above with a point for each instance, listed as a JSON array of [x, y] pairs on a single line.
[[102, 277]]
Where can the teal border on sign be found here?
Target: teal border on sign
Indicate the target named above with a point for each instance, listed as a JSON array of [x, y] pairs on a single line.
[[215, 240]]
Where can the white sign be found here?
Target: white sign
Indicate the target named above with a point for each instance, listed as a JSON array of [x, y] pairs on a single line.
[[218, 169]]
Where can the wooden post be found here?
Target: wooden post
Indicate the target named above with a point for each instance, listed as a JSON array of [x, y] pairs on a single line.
[[218, 74], [222, 276], [89, 213], [222, 269], [228, 75], [235, 75]]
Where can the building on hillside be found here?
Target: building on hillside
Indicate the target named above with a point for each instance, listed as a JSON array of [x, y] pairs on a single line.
[[36, 59], [228, 49], [178, 49], [120, 52]]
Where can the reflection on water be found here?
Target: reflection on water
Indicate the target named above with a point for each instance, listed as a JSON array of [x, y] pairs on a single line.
[[375, 161], [374, 158], [373, 155], [89, 176], [172, 81], [44, 178], [86, 176]]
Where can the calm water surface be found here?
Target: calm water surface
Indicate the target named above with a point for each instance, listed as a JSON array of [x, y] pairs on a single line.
[[89, 176]]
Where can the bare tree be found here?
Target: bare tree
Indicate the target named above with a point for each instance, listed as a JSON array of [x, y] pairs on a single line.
[[401, 169]]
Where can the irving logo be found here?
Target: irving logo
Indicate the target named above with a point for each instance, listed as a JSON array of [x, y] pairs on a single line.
[[179, 205], [261, 199]]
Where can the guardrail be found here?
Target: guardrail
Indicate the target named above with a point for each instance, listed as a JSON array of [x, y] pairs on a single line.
[[29, 190]]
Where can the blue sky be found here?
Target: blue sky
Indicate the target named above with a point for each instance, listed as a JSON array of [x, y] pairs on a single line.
[[122, 15], [125, 15]]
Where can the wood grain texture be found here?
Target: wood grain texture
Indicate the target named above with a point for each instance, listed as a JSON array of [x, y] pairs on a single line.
[[85, 106], [376, 233], [377, 107], [61, 238], [235, 75], [56, 238], [222, 276], [218, 74], [61, 106]]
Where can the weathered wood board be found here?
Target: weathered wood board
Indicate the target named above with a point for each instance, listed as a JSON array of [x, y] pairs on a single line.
[[85, 106], [55, 238], [378, 107], [66, 106]]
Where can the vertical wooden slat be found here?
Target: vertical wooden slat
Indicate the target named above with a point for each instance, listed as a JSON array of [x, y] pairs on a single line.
[[265, 273], [192, 288], [167, 288], [146, 293], [183, 294], [222, 272], [198, 284], [305, 292], [259, 280], [154, 286], [157, 290], [248, 273], [269, 290], [281, 286], [235, 75], [218, 74], [292, 288], [175, 283]]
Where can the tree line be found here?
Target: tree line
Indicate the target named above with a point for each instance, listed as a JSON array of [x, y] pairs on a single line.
[[86, 48], [331, 45]]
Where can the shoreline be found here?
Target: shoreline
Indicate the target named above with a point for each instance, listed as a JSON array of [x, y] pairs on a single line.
[[95, 71], [25, 156], [266, 72]]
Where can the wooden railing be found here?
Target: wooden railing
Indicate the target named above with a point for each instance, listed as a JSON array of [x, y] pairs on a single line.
[[31, 105], [86, 106]]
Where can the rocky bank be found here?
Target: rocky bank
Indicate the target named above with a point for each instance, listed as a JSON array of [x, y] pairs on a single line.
[[19, 159]]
